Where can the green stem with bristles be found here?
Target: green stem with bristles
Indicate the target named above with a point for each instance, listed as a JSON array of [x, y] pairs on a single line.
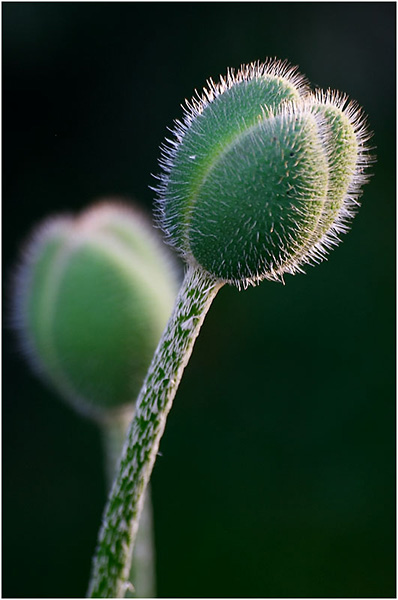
[[142, 570], [117, 536]]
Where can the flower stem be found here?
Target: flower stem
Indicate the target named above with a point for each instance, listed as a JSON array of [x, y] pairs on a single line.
[[142, 570], [120, 523]]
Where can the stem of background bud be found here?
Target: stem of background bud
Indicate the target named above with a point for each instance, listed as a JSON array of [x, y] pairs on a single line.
[[110, 571]]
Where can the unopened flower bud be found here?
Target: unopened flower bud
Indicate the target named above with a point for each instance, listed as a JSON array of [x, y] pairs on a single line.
[[263, 174], [92, 296]]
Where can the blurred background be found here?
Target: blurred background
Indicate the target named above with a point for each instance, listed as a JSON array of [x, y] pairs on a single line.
[[277, 474]]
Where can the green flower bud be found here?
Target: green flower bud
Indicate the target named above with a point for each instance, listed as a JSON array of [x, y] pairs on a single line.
[[263, 174], [92, 296]]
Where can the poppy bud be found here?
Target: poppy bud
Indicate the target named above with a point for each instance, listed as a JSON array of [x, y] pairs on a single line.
[[262, 175], [91, 297]]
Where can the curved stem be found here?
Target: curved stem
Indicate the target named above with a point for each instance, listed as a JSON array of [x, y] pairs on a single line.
[[142, 570], [117, 535]]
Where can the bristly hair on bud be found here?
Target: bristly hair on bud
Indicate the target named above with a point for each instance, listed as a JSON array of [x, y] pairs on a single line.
[[262, 174]]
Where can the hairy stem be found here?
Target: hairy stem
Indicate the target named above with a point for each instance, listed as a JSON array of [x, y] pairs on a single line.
[[142, 570], [120, 523]]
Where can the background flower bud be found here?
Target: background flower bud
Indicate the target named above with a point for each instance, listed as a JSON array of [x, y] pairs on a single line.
[[91, 298], [263, 174]]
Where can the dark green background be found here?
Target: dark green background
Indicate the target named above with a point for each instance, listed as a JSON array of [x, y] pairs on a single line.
[[277, 475]]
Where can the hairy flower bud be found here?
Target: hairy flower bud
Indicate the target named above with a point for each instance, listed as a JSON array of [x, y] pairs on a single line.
[[262, 175], [91, 298]]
